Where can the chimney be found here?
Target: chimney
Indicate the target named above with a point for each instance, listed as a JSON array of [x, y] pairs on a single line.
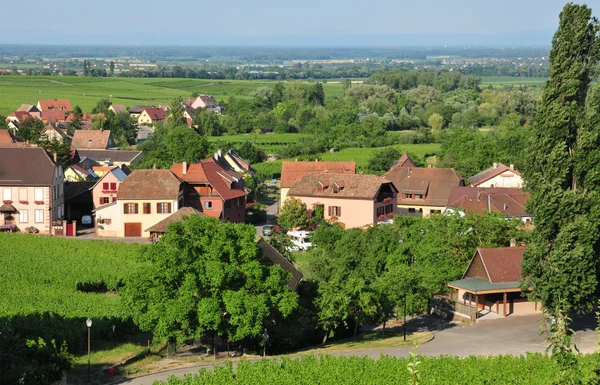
[[55, 158], [495, 165], [505, 206], [184, 167], [512, 166], [513, 242], [478, 193]]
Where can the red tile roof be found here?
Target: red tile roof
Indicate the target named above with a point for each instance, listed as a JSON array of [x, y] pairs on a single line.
[[358, 186], [20, 115], [490, 173], [150, 184], [91, 139], [293, 171], [502, 264], [55, 104], [156, 113], [6, 137], [434, 183], [508, 201], [405, 161]]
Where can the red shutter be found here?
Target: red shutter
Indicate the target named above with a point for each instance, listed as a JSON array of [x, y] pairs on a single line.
[[114, 199], [136, 208], [101, 201], [169, 208], [105, 186], [113, 186]]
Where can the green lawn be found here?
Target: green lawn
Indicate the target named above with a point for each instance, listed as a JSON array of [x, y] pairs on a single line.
[[498, 81], [362, 155], [86, 91]]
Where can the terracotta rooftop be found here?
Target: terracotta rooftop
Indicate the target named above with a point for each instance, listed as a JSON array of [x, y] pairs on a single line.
[[118, 108], [20, 115], [150, 184], [6, 137], [177, 216], [114, 155], [292, 171], [496, 169], [91, 139], [405, 161], [28, 108], [55, 104], [210, 172], [502, 264], [156, 113], [138, 109], [508, 201], [435, 184], [25, 166], [359, 186], [271, 255]]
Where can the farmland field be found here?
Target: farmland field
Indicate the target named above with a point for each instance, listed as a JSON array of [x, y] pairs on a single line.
[[498, 81], [86, 91]]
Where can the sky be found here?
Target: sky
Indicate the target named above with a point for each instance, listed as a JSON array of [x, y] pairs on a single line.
[[149, 22]]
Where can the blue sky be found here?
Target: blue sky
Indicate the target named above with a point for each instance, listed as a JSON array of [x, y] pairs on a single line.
[[205, 22]]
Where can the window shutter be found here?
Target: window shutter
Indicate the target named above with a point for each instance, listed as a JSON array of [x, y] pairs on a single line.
[[125, 208], [169, 208], [105, 186], [158, 208], [136, 208], [339, 211], [101, 200], [113, 186], [329, 210]]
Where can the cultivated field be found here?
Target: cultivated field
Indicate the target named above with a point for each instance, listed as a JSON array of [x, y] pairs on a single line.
[[498, 81], [86, 91]]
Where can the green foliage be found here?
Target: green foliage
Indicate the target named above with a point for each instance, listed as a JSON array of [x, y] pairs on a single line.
[[102, 106], [563, 171], [122, 127], [207, 123], [294, 214], [168, 145], [250, 152], [176, 110], [382, 160], [530, 369], [30, 130], [205, 277]]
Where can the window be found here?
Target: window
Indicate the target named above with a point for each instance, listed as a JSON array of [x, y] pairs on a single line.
[[436, 211], [23, 194], [7, 195], [130, 208], [208, 205], [408, 196], [227, 205], [334, 211], [103, 200], [380, 211], [39, 194], [39, 216], [389, 209], [412, 210], [113, 186], [147, 208], [418, 196], [69, 178], [163, 207], [241, 201], [105, 186], [23, 217]]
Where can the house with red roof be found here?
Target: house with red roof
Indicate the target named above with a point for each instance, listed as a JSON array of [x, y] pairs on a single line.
[[152, 115], [491, 284], [54, 110], [508, 201], [499, 175], [213, 189]]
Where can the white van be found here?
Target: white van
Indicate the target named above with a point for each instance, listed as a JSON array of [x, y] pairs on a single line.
[[300, 240]]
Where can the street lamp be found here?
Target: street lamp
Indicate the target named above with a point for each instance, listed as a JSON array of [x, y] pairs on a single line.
[[265, 339], [88, 322]]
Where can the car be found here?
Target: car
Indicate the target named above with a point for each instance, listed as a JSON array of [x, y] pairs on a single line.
[[300, 240], [86, 220], [267, 230]]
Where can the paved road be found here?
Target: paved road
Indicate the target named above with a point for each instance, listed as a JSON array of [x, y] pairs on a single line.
[[514, 335]]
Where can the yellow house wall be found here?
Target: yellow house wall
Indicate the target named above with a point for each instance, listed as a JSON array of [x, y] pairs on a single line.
[[403, 209], [283, 191]]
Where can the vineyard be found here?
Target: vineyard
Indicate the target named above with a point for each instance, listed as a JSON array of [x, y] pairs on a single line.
[[532, 369], [41, 274]]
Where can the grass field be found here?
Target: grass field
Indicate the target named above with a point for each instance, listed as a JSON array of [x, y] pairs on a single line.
[[498, 81], [362, 155], [86, 91]]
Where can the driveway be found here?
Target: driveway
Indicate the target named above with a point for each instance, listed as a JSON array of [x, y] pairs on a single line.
[[514, 335]]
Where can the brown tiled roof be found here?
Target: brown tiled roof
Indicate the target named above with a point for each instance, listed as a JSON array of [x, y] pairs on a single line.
[[150, 184], [292, 171], [118, 108], [53, 115], [177, 216], [508, 201], [28, 108], [437, 182], [138, 109], [91, 139], [271, 255], [25, 166], [490, 173], [20, 115], [405, 161], [209, 171], [503, 264], [114, 155], [55, 104], [156, 113], [6, 137], [359, 186]]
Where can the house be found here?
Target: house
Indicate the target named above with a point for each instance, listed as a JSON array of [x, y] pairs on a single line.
[[79, 172], [6, 138], [499, 175], [207, 102], [189, 114], [352, 200], [491, 284], [145, 198], [78, 199], [159, 229], [53, 131], [92, 140], [14, 119], [293, 171], [234, 161], [508, 201], [422, 191], [106, 188], [151, 115], [54, 110], [273, 257], [102, 170], [32, 110], [117, 108], [213, 189], [136, 111], [32, 189], [112, 157]]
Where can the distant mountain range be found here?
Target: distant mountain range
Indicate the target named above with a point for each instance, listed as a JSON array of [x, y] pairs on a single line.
[[537, 38]]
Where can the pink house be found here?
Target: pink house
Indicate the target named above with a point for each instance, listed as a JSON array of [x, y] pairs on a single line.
[[105, 190], [353, 200]]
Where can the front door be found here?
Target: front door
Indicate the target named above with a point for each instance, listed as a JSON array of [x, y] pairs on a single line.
[[133, 229], [481, 301]]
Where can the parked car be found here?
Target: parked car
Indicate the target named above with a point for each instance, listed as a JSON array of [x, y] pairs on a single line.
[[267, 230], [86, 220], [300, 240]]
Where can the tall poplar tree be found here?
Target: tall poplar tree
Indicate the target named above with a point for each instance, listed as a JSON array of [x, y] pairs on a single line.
[[562, 172]]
